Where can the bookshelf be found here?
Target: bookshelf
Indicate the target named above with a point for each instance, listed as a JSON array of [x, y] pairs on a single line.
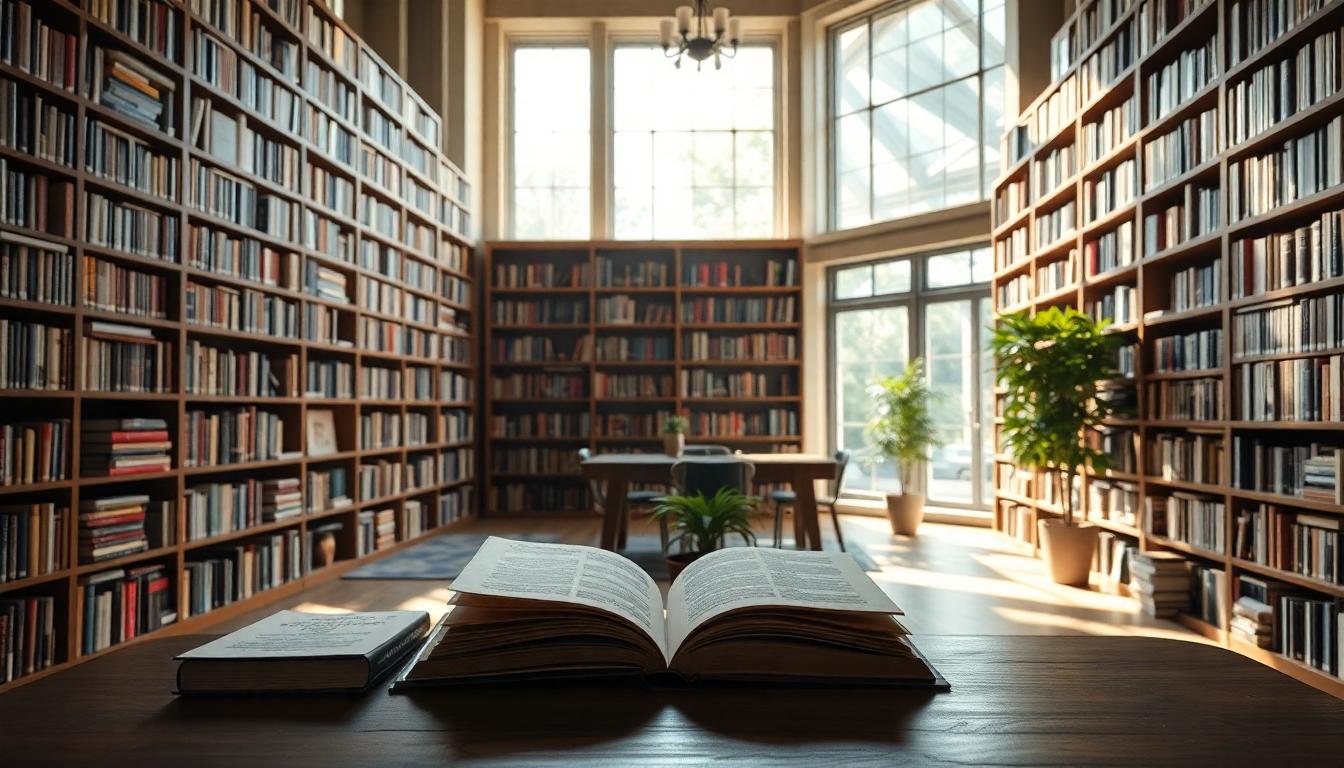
[[287, 239], [593, 344], [1140, 187]]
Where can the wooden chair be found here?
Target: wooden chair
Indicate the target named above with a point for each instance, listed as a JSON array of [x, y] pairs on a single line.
[[706, 475], [788, 498], [632, 499]]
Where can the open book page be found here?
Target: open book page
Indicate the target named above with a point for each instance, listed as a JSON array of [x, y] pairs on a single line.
[[566, 573], [745, 577]]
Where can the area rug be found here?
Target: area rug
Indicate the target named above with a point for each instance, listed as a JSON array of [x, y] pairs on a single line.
[[439, 559], [442, 558]]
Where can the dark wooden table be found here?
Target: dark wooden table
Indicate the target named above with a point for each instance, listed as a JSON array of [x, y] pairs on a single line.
[[799, 470], [1014, 700]]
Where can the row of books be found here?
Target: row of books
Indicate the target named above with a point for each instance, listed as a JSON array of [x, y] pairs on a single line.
[[236, 200], [1116, 501], [1118, 307], [570, 424], [328, 488], [1055, 225], [1289, 326], [217, 64], [120, 604], [1197, 286], [549, 386], [1286, 467], [151, 23], [1050, 172], [1300, 167], [629, 385], [217, 438], [1186, 399], [511, 312], [34, 539], [36, 200], [34, 452], [35, 355], [117, 156], [708, 383], [241, 309], [111, 287], [1190, 457], [130, 228], [34, 125], [1301, 389], [1181, 79], [228, 139], [375, 530], [1194, 351], [774, 309], [1114, 127], [36, 270], [1189, 145], [225, 575], [27, 636], [1121, 444], [381, 478], [627, 310], [532, 497], [1298, 542], [724, 274], [1298, 256], [1254, 25], [1192, 216], [125, 358], [225, 371], [535, 460], [1188, 518], [650, 273], [772, 422], [1280, 89], [1110, 250], [641, 348], [1110, 190], [215, 509]]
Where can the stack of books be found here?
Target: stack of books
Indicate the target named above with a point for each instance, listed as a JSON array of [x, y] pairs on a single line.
[[281, 499], [112, 527], [132, 89], [1253, 622], [113, 447], [1320, 477], [376, 531], [1161, 582]]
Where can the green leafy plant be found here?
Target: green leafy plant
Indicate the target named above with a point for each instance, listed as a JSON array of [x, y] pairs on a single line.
[[675, 425], [1050, 365], [704, 525], [901, 428]]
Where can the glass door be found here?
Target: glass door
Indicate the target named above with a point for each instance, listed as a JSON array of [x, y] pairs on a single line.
[[960, 378], [869, 343]]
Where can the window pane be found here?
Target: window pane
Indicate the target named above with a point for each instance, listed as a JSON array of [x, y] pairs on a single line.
[[948, 269], [704, 164], [930, 130], [948, 346], [854, 283], [869, 344], [551, 143], [891, 277], [851, 67], [982, 266]]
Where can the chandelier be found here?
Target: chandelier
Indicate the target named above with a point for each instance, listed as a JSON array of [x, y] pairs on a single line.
[[715, 35]]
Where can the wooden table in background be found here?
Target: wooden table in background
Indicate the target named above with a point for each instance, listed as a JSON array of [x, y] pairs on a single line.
[[799, 470], [1060, 701]]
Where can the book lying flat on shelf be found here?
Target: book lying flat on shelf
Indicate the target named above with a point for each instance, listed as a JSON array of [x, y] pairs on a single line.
[[295, 651], [526, 611]]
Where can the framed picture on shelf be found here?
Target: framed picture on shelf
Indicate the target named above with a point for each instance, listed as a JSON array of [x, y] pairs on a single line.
[[321, 430]]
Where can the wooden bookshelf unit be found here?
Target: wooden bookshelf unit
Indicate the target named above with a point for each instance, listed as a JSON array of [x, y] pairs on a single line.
[[260, 209], [1135, 188], [593, 344]]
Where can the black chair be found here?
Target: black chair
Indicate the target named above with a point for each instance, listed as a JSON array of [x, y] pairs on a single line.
[[788, 498], [633, 499], [706, 475], [706, 450]]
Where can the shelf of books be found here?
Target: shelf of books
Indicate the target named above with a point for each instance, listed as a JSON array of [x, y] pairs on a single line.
[[236, 312], [594, 345], [1183, 178]]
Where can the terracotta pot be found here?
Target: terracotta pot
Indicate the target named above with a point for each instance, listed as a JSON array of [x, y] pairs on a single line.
[[677, 563], [906, 511], [673, 444], [1067, 550]]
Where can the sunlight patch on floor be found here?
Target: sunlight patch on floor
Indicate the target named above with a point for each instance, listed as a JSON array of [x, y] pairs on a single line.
[[1074, 624]]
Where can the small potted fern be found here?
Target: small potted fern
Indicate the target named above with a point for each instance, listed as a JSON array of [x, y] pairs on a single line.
[[674, 435], [902, 431], [703, 525]]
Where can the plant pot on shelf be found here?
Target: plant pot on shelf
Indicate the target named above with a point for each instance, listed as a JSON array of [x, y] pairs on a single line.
[[905, 511], [1067, 550], [673, 444], [678, 562]]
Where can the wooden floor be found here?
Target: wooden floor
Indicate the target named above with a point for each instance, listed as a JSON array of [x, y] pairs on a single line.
[[951, 580]]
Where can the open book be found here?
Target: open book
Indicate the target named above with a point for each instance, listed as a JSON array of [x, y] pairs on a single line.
[[524, 611]]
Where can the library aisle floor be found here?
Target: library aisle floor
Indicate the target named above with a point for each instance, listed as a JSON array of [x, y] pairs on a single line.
[[950, 579]]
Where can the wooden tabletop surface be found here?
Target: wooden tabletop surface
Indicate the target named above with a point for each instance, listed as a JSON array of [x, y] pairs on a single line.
[[1015, 700]]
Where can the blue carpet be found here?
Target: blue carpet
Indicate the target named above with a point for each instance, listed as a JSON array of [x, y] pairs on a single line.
[[442, 558]]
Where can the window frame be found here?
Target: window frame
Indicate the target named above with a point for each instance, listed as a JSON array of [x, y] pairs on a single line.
[[832, 116], [916, 300], [777, 130], [508, 218]]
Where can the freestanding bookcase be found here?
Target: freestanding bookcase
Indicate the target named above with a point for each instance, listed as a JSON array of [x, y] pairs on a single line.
[[341, 252], [1181, 177]]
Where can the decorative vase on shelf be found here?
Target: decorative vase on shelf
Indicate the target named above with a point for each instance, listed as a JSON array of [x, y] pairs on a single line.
[[673, 444]]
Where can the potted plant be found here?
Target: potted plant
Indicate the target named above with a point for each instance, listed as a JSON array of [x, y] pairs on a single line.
[[704, 525], [902, 431], [1050, 365], [674, 435]]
